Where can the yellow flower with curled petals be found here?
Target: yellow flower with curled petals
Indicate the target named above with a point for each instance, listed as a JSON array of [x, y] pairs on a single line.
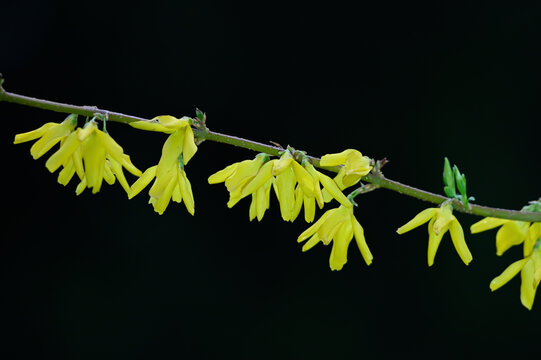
[[440, 220], [530, 271], [511, 232], [355, 166], [48, 135], [309, 202], [288, 172], [170, 180], [95, 156], [236, 176], [338, 225]]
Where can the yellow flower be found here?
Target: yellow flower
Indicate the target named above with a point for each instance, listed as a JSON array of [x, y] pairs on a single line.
[[49, 135], [94, 156], [338, 225], [510, 234], [329, 186], [440, 220], [170, 181], [89, 152], [237, 175], [355, 166], [530, 271]]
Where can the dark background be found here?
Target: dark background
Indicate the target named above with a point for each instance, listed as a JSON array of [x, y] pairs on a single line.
[[96, 275]]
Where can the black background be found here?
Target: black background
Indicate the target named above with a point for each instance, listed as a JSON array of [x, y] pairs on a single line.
[[96, 275]]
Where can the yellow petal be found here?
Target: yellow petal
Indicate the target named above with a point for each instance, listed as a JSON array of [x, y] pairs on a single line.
[[315, 178], [309, 209], [172, 122], [186, 191], [155, 125], [304, 179], [315, 227], [357, 165], [81, 187], [189, 148], [285, 183], [143, 181], [108, 175], [262, 177], [335, 192], [246, 170], [487, 224], [117, 170], [339, 252], [63, 155], [327, 231], [443, 217], [162, 202], [534, 233], [34, 134], [335, 159], [507, 274], [311, 243], [252, 213], [434, 241], [260, 202], [86, 131], [418, 220], [283, 164], [177, 195], [510, 234], [50, 138], [299, 200], [527, 289], [151, 126], [536, 258], [78, 162], [171, 150], [457, 235], [128, 165], [65, 175], [361, 241], [94, 161], [222, 175], [110, 145]]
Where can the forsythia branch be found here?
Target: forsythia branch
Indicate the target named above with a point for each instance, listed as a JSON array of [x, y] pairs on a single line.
[[377, 179]]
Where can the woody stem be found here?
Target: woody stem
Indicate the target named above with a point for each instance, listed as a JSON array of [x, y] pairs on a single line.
[[377, 179]]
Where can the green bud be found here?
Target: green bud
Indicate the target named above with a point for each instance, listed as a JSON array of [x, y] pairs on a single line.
[[199, 114], [461, 185], [448, 178]]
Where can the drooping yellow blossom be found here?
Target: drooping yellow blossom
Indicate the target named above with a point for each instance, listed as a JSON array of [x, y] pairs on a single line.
[[89, 152], [511, 233], [529, 268], [94, 156], [48, 134], [170, 181], [440, 220], [338, 225], [329, 186], [237, 175], [355, 166], [293, 183]]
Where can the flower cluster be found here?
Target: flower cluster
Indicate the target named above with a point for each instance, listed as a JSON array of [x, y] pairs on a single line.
[[90, 153], [170, 180], [515, 233], [297, 184]]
